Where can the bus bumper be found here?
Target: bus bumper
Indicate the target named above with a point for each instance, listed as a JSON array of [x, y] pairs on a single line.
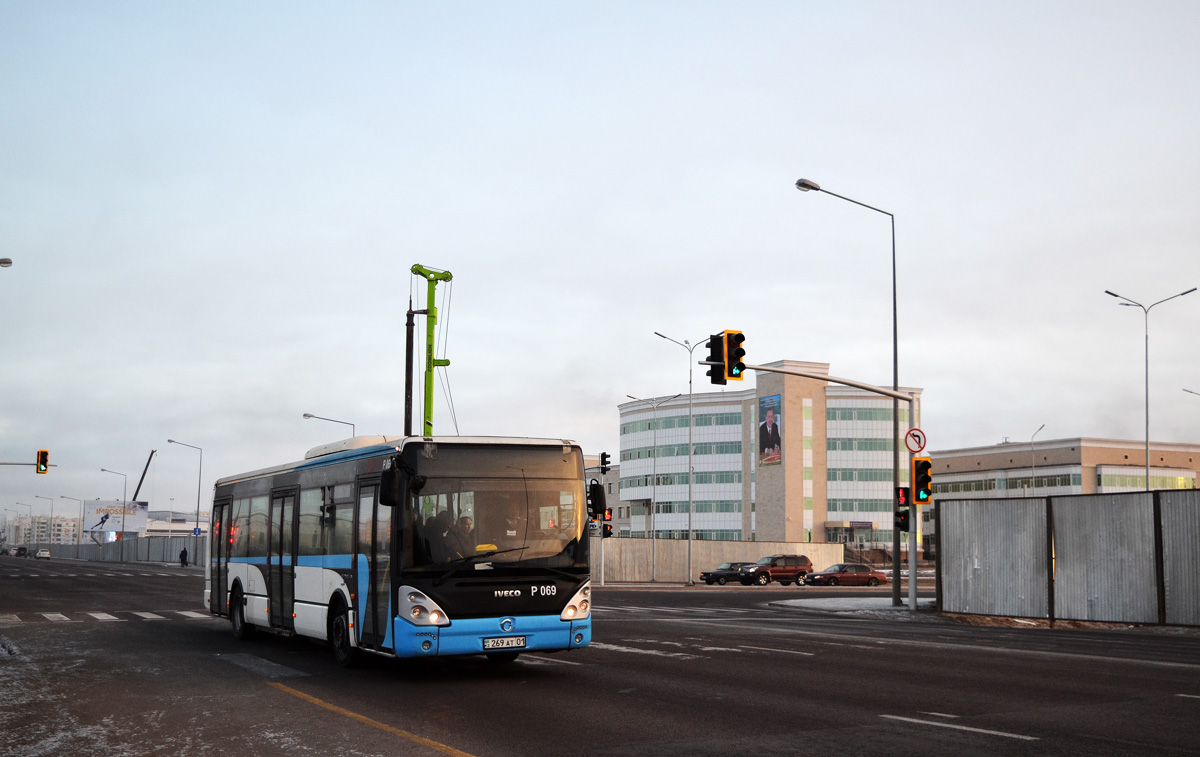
[[540, 633]]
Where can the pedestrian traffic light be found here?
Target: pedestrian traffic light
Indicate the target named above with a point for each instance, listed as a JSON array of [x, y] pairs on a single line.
[[607, 532], [608, 513], [922, 479], [734, 367], [716, 356], [603, 463], [902, 519], [43, 460]]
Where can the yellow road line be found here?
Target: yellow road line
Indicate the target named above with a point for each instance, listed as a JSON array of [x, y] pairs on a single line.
[[373, 723]]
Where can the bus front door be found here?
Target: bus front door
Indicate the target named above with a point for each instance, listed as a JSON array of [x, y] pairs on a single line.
[[281, 565]]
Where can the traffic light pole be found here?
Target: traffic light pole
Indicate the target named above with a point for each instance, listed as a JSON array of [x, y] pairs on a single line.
[[432, 277], [912, 532]]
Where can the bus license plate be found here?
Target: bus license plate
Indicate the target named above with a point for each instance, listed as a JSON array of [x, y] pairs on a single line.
[[505, 642]]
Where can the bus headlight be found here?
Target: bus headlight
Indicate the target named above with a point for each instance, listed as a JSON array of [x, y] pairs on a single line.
[[418, 609], [580, 605]]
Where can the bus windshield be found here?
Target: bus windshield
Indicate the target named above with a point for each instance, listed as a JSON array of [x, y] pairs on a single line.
[[502, 519]]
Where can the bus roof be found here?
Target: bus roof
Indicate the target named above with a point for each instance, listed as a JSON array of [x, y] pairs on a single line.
[[370, 446]]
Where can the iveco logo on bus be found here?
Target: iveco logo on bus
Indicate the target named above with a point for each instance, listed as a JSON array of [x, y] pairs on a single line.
[[507, 593]]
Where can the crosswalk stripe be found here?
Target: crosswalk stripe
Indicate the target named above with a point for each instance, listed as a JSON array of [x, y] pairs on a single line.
[[58, 617], [104, 616], [149, 616], [193, 614]]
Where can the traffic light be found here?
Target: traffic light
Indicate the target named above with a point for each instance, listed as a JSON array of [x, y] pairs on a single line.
[[902, 519], [716, 355], [43, 460], [734, 367], [595, 499], [922, 479], [603, 463], [607, 532]]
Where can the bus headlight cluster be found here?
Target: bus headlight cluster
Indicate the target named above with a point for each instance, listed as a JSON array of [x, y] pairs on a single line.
[[580, 605], [419, 609]]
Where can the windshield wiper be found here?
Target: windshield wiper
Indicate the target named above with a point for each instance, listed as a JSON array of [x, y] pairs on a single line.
[[470, 559]]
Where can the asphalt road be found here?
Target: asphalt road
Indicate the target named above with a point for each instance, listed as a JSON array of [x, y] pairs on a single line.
[[122, 660]]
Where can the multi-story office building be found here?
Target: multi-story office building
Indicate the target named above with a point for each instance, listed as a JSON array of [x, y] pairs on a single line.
[[1062, 466], [791, 459]]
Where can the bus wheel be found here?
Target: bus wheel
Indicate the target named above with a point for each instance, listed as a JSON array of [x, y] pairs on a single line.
[[237, 617], [502, 657], [344, 653]]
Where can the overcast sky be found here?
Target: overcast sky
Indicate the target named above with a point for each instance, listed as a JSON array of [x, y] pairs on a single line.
[[212, 209]]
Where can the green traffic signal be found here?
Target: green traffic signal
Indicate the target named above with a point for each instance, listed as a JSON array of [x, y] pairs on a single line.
[[922, 479], [734, 352]]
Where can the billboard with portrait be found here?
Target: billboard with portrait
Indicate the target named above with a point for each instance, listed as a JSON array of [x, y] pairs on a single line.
[[770, 430], [106, 515]]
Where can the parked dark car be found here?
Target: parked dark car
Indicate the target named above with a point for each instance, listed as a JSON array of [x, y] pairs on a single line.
[[726, 571], [847, 574], [21, 552], [786, 569]]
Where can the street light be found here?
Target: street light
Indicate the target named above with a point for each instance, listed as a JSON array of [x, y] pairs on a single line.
[[1033, 461], [198, 485], [689, 346], [653, 480], [1146, 313], [1189, 391], [331, 420], [50, 525], [5, 262], [124, 504], [805, 185], [78, 531]]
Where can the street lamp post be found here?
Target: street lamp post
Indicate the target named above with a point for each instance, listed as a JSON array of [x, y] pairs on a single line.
[[689, 346], [1146, 313], [199, 475], [331, 420], [124, 504], [805, 185], [78, 531], [653, 481], [1033, 461], [50, 525]]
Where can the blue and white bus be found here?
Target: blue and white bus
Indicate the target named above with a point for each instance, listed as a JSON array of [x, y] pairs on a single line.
[[409, 547]]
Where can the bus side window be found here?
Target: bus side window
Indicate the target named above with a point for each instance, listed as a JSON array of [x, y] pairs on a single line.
[[311, 522]]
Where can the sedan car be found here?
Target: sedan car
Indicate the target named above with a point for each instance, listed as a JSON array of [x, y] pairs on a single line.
[[723, 573], [42, 554], [847, 574]]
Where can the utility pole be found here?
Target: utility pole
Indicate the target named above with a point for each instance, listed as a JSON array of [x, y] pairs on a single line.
[[432, 277]]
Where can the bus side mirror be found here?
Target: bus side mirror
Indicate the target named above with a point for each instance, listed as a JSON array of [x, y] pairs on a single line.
[[389, 482]]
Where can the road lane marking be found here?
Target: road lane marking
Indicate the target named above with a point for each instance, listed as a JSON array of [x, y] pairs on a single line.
[[105, 616], [1189, 696], [149, 616], [635, 650], [940, 715], [761, 625], [194, 614], [58, 617], [15, 619], [785, 651], [437, 746], [936, 724]]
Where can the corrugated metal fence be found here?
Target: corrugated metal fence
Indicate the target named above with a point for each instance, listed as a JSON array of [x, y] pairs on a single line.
[[157, 549], [1129, 558]]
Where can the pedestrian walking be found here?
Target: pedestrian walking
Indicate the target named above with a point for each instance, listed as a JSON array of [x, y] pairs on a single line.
[[183, 558]]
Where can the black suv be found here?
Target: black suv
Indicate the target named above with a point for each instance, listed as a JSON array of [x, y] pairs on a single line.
[[726, 571], [786, 569]]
